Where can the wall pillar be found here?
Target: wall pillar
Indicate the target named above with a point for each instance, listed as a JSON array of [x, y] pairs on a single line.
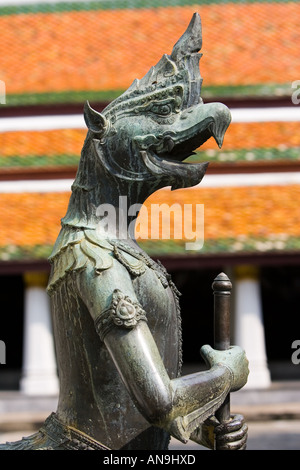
[[39, 373], [249, 328]]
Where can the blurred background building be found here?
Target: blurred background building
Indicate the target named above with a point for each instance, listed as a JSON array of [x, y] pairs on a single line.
[[53, 57]]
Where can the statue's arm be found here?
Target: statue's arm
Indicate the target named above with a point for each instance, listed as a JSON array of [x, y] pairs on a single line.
[[177, 405]]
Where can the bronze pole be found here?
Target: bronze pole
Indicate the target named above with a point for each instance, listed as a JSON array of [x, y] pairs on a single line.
[[222, 290]]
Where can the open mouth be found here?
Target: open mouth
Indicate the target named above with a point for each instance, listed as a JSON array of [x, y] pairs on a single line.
[[165, 154], [176, 173], [194, 127], [179, 147]]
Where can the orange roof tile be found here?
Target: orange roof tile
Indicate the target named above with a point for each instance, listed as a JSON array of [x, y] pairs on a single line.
[[46, 142], [53, 147], [267, 216], [244, 43], [250, 135], [31, 219], [230, 212]]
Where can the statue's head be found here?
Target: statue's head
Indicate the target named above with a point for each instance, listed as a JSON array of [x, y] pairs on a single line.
[[160, 120]]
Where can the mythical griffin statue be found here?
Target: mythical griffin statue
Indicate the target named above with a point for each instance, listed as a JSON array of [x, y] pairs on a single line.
[[115, 311]]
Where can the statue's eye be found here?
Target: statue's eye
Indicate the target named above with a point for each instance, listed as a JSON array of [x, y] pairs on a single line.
[[161, 109]]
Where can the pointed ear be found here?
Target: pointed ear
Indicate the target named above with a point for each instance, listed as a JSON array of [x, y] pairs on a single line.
[[95, 121]]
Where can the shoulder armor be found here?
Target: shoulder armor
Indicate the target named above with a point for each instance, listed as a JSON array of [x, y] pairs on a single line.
[[134, 265], [72, 252]]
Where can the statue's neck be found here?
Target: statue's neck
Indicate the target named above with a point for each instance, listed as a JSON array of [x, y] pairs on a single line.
[[110, 208], [117, 218], [106, 197]]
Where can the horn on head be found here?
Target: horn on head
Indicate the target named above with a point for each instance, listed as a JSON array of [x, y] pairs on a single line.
[[191, 40], [95, 121]]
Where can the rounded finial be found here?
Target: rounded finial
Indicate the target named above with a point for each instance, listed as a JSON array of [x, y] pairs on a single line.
[[221, 283]]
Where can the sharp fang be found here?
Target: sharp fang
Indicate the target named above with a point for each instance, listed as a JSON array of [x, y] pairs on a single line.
[[169, 143]]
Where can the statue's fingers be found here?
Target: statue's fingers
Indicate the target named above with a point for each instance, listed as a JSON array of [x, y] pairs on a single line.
[[236, 422], [241, 444], [233, 436]]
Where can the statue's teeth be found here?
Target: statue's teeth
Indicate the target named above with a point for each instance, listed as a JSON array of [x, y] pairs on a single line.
[[169, 143]]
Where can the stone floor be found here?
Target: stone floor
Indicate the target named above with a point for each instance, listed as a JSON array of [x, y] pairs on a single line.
[[273, 416]]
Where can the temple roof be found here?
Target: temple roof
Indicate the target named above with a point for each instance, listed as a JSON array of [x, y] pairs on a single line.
[[54, 56], [241, 219], [249, 48], [244, 142]]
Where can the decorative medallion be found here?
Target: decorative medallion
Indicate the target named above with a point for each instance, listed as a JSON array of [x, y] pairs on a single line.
[[123, 312]]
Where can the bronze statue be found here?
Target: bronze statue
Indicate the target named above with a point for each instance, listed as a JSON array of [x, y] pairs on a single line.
[[115, 311]]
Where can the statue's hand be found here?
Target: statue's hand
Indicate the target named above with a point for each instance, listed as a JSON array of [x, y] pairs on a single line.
[[232, 435], [234, 358]]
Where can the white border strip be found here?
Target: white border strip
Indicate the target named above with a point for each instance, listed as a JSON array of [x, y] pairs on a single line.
[[276, 114], [42, 123], [76, 121], [250, 179], [37, 2], [209, 181], [36, 186]]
